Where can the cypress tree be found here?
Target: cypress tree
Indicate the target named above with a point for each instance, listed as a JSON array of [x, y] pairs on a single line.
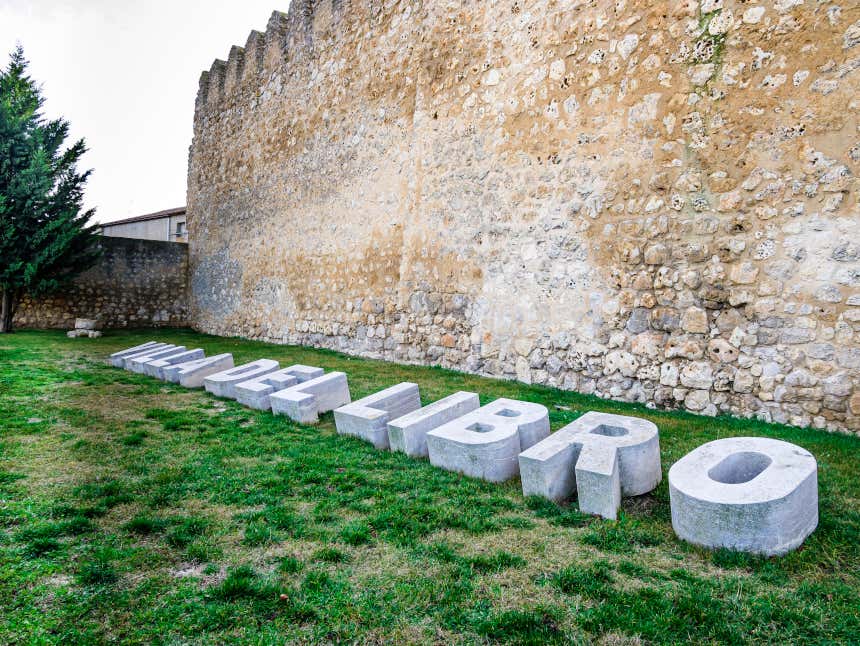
[[45, 239]]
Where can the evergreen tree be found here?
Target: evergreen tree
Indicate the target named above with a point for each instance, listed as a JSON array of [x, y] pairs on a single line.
[[45, 240]]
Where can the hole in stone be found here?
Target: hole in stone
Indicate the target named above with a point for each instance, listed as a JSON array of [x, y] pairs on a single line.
[[477, 427], [739, 467], [507, 412], [609, 431]]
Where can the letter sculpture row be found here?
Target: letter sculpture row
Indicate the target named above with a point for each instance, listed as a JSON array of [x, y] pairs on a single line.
[[749, 494], [302, 393]]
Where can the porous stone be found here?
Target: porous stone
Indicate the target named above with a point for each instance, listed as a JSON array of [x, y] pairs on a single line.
[[684, 347], [192, 373], [305, 402], [367, 418], [697, 400], [639, 320], [138, 364], [721, 351], [743, 382], [116, 358], [408, 433], [601, 456], [854, 403], [721, 23], [255, 393], [750, 494], [155, 368], [223, 384], [753, 15], [486, 442], [649, 344], [695, 321], [697, 374], [669, 374]]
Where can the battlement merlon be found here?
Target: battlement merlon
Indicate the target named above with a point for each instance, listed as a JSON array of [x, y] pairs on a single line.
[[300, 24], [202, 90], [235, 69], [255, 51], [275, 40], [287, 35], [217, 76]]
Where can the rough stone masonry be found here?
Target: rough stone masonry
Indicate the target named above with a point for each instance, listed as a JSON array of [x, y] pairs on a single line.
[[135, 283], [649, 201]]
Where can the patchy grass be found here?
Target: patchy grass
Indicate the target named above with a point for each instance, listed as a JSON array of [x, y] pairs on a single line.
[[135, 511]]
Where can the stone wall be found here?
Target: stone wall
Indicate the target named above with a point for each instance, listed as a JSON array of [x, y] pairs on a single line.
[[649, 201], [137, 283]]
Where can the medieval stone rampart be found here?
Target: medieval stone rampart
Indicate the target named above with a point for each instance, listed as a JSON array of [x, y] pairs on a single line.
[[650, 201]]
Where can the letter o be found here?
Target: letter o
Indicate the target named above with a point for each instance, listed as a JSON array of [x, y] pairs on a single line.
[[750, 494]]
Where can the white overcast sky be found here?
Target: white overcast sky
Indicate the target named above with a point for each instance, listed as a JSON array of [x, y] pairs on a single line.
[[125, 73]]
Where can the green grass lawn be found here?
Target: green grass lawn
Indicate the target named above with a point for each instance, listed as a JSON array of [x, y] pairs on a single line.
[[135, 511]]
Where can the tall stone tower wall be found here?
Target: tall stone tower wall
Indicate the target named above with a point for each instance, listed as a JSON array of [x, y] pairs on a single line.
[[652, 201]]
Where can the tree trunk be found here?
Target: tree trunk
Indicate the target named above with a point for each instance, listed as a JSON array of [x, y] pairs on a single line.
[[7, 311]]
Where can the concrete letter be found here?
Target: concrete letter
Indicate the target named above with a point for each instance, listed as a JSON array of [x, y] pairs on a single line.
[[368, 418], [126, 361], [305, 402], [485, 443], [409, 433], [602, 456], [751, 494], [116, 357], [255, 393], [119, 362], [223, 384], [138, 364], [155, 368], [192, 373]]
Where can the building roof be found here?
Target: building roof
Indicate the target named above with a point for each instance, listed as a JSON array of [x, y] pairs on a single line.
[[167, 213]]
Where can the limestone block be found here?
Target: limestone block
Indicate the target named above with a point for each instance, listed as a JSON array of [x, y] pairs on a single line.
[[697, 374], [854, 404], [116, 358], [305, 402], [76, 334], [486, 442], [255, 393], [155, 368], [602, 456], [192, 373], [695, 320], [85, 324], [751, 494], [127, 361], [223, 384], [409, 433], [119, 362], [138, 364], [368, 418]]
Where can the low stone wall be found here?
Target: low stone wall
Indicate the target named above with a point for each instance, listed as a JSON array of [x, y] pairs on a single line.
[[137, 283]]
